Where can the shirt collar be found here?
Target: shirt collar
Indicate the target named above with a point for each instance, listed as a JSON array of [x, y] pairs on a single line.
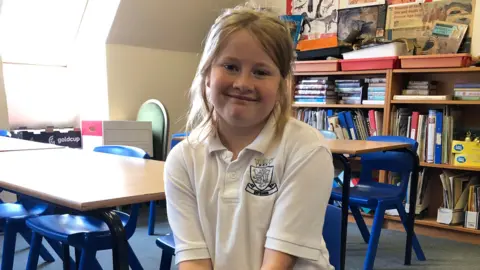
[[260, 144]]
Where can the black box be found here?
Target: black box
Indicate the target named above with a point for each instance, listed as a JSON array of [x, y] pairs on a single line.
[[63, 137]]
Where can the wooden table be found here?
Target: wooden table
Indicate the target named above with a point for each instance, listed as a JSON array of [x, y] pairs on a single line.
[[13, 144], [87, 182], [356, 147]]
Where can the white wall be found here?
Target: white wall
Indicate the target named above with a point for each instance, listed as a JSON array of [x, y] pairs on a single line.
[[3, 99], [136, 74]]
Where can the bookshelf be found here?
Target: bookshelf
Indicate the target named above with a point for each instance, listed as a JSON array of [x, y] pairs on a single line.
[[396, 81]]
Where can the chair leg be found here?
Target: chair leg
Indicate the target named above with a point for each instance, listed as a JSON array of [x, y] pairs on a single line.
[[35, 246], [415, 242], [66, 254], [78, 255], [374, 237], [9, 240], [166, 260], [56, 246], [46, 256], [133, 260], [360, 223], [87, 259], [151, 218]]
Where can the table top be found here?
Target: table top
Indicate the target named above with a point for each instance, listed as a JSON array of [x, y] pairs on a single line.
[[80, 179], [13, 144], [355, 147]]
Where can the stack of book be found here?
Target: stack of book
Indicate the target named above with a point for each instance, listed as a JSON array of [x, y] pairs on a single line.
[[315, 90], [421, 90], [432, 129], [355, 124], [349, 91], [375, 91], [466, 91]]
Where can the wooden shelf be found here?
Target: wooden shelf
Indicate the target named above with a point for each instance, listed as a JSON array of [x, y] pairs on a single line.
[[437, 70], [449, 166], [331, 73], [349, 106], [432, 222], [440, 102], [395, 83]]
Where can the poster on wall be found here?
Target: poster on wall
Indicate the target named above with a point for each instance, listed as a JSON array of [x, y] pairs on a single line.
[[368, 22], [359, 3], [319, 22], [416, 21]]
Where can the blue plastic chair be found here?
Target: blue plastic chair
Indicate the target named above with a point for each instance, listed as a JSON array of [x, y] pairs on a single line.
[[331, 236], [5, 133], [380, 196], [332, 230], [174, 142], [86, 234], [328, 134], [12, 221]]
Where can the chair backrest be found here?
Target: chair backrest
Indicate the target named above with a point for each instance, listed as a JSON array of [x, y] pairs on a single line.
[[332, 230], [175, 141], [328, 134], [155, 112], [393, 161], [5, 133], [122, 150], [128, 151]]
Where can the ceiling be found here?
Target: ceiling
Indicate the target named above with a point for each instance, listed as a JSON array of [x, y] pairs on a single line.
[[179, 25]]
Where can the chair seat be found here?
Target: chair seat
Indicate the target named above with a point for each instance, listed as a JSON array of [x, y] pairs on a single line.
[[71, 227], [18, 211], [367, 195], [166, 241]]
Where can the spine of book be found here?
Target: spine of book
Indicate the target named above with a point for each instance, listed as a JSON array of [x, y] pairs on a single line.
[[431, 136]]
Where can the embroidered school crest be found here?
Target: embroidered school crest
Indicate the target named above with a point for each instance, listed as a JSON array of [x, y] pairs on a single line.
[[261, 176]]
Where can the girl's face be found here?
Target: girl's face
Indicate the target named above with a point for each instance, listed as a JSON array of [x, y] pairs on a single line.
[[243, 82]]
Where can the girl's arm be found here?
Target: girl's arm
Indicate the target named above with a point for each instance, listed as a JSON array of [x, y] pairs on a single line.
[[276, 260], [297, 221], [190, 248], [204, 264]]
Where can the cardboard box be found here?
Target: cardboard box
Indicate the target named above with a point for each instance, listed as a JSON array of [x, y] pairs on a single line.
[[450, 217], [468, 160], [130, 133], [471, 220], [64, 137], [465, 148]]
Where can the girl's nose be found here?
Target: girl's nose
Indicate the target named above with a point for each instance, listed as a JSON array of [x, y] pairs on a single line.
[[243, 82]]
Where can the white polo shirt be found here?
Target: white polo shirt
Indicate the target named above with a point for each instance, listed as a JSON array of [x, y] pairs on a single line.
[[274, 195]]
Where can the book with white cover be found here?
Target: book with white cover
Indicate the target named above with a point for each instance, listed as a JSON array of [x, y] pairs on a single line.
[[422, 97]]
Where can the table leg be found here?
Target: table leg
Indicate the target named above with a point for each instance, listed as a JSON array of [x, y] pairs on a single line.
[[345, 201], [119, 240], [412, 206]]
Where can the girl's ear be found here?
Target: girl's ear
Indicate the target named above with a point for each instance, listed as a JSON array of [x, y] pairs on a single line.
[[207, 80]]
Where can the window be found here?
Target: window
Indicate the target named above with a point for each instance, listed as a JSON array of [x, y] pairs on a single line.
[[39, 96], [37, 38], [39, 32]]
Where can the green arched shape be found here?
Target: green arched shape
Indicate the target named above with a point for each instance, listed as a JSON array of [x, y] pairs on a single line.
[[153, 111]]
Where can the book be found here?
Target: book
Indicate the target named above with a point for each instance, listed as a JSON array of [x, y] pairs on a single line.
[[422, 97]]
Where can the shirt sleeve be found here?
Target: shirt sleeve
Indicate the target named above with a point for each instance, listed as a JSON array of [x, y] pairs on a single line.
[[297, 221], [182, 210]]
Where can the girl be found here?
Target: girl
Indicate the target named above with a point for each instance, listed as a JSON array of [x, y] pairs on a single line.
[[248, 189]]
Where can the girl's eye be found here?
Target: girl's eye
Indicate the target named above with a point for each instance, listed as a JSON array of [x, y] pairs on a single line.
[[230, 67], [261, 73]]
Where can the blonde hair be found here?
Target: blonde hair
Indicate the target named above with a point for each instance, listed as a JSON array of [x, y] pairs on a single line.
[[273, 35]]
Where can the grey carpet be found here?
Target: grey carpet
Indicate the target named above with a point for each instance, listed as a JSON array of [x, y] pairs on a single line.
[[441, 254]]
